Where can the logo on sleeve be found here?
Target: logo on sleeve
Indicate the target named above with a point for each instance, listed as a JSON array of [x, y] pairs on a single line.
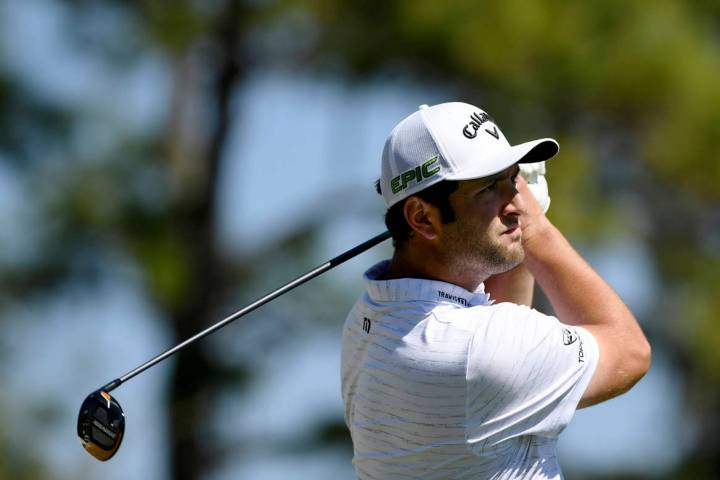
[[569, 336], [366, 324]]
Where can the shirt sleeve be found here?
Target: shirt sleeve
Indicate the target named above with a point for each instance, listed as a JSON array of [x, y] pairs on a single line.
[[526, 373]]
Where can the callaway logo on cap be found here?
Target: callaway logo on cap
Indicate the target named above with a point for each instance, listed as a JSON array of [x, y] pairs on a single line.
[[450, 141]]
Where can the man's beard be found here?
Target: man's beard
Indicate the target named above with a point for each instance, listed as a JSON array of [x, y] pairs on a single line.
[[480, 254]]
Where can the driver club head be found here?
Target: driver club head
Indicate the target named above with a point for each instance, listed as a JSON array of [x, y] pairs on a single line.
[[101, 425]]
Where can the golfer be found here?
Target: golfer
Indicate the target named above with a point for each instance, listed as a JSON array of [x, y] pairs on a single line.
[[447, 372]]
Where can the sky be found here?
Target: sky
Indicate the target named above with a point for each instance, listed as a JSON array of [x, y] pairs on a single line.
[[298, 141]]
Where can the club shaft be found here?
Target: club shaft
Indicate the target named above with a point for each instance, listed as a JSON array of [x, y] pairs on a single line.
[[343, 257]]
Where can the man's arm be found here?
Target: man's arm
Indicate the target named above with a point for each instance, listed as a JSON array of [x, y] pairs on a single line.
[[514, 286], [581, 297]]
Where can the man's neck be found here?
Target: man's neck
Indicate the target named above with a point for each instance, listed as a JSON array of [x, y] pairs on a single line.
[[405, 265]]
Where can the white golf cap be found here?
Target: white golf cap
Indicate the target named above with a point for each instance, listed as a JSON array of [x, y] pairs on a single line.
[[450, 141]]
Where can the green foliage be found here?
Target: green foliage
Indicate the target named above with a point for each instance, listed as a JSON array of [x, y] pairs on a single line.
[[697, 302], [573, 176], [165, 264], [18, 463], [650, 69], [177, 27]]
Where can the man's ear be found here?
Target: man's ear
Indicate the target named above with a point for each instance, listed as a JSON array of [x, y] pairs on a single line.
[[423, 218]]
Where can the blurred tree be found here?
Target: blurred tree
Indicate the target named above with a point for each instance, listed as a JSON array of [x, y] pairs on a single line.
[[22, 118], [152, 197]]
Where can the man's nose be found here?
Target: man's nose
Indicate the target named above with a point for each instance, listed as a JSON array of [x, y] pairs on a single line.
[[512, 195]]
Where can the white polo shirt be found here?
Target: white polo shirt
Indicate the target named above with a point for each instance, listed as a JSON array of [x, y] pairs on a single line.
[[439, 383]]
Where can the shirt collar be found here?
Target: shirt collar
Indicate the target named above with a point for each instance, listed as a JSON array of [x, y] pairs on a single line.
[[419, 289]]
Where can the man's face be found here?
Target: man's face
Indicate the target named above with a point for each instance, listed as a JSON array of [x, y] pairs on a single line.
[[485, 239]]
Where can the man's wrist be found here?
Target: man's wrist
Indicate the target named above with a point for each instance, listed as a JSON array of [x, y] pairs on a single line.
[[538, 235]]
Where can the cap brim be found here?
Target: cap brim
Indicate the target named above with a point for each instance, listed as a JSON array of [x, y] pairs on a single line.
[[528, 152]]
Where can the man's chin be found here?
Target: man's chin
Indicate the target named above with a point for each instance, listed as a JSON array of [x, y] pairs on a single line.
[[508, 258], [515, 257], [513, 250]]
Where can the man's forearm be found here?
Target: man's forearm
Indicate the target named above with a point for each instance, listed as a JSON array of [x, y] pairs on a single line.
[[581, 297], [577, 293]]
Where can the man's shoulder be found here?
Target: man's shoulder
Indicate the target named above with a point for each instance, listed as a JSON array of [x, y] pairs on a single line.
[[508, 311], [496, 312]]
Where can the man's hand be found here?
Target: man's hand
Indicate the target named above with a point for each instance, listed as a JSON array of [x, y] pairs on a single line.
[[534, 174], [533, 221]]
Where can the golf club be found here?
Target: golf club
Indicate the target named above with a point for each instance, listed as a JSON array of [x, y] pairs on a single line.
[[101, 421]]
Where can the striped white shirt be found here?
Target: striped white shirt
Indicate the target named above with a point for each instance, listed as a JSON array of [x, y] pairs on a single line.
[[439, 383]]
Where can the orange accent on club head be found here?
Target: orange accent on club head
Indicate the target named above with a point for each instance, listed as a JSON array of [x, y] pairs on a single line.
[[100, 453]]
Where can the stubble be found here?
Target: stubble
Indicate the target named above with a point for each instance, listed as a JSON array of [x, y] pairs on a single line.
[[481, 252]]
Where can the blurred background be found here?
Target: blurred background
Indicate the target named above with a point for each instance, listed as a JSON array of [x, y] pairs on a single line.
[[164, 163]]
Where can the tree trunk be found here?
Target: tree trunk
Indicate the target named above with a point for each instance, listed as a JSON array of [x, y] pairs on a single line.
[[192, 389]]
